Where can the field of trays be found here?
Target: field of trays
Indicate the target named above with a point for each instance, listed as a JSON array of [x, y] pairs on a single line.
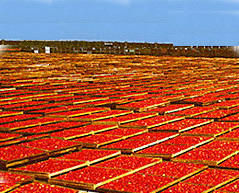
[[126, 124]]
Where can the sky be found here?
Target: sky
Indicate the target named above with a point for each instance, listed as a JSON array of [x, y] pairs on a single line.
[[181, 22]]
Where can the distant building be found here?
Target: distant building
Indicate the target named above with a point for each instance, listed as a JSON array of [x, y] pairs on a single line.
[[47, 50]]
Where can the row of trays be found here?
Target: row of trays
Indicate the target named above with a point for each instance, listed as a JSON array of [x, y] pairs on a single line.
[[120, 173], [195, 149]]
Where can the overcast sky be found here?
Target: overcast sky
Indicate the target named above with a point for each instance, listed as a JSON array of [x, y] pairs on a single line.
[[182, 22]]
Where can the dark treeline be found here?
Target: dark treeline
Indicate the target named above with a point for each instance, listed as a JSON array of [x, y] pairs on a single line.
[[125, 48]]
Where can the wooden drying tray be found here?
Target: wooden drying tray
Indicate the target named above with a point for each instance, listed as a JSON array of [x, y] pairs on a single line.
[[100, 118], [133, 150], [5, 164], [221, 184], [91, 186], [11, 113], [48, 175], [150, 126], [184, 129], [205, 162], [26, 126], [120, 122], [163, 187], [97, 145]]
